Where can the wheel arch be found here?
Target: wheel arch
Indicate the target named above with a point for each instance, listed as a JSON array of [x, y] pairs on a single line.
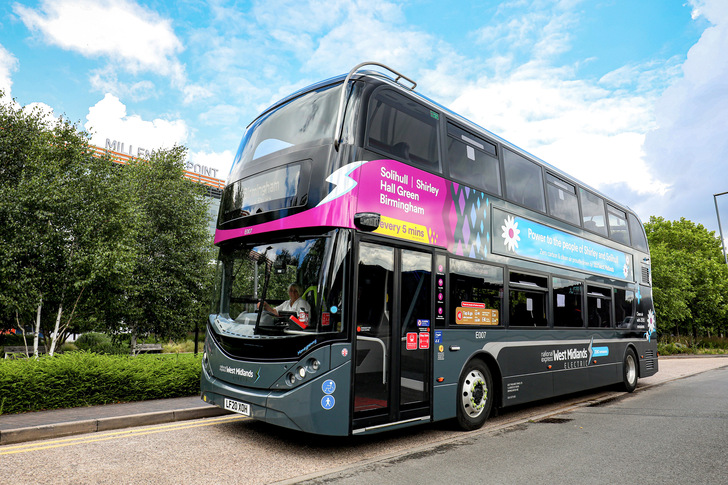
[[631, 345], [495, 372]]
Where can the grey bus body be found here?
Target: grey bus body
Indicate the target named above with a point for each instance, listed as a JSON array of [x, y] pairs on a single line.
[[444, 319]]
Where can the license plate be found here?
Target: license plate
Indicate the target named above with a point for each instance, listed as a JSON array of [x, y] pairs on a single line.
[[237, 407]]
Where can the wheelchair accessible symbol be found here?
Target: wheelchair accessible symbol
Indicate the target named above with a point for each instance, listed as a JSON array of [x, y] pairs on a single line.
[[327, 402], [329, 386]]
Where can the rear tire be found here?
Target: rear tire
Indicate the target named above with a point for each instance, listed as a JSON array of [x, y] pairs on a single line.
[[629, 371], [475, 395]]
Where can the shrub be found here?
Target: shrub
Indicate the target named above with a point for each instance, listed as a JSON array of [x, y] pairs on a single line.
[[101, 343], [177, 347], [87, 379]]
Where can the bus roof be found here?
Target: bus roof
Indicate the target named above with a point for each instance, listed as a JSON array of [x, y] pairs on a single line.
[[387, 79]]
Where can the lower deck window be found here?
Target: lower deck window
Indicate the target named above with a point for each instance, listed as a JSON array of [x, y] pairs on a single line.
[[599, 307], [527, 301], [476, 291], [567, 303]]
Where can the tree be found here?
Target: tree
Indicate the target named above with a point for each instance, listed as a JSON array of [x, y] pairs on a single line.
[[63, 223], [690, 278], [169, 287]]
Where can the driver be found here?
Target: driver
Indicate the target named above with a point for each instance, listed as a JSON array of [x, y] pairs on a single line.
[[296, 304]]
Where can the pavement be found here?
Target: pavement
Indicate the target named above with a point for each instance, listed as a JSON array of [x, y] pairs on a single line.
[[19, 428], [56, 423]]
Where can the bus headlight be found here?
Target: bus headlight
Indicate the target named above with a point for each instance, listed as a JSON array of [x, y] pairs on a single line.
[[301, 373], [313, 365], [290, 379]]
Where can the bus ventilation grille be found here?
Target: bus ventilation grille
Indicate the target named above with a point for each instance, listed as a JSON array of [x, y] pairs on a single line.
[[645, 275], [649, 360]]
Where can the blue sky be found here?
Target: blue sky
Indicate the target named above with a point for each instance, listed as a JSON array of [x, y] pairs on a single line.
[[630, 97]]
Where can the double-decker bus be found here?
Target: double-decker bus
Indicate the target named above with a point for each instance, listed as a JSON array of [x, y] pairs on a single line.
[[443, 271]]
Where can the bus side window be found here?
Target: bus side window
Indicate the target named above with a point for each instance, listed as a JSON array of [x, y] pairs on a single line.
[[477, 292], [567, 303], [527, 300], [592, 213], [617, 225], [404, 129], [599, 307], [473, 160], [562, 199], [524, 181], [639, 241], [624, 307]]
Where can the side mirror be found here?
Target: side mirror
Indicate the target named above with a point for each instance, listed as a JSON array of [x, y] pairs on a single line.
[[367, 221]]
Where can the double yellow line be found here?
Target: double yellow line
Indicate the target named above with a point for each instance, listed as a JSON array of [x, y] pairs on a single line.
[[94, 437]]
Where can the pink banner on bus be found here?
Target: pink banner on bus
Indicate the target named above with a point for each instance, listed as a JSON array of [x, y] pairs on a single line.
[[413, 204]]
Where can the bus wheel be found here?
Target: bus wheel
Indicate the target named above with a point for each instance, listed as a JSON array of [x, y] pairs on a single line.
[[475, 398], [629, 371]]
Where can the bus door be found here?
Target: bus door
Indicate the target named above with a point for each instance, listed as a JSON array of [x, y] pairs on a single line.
[[393, 335]]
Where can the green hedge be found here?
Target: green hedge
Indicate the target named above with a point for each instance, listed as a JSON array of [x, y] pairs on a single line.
[[87, 379]]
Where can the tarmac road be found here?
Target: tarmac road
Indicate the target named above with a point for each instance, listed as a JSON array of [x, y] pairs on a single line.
[[235, 449]]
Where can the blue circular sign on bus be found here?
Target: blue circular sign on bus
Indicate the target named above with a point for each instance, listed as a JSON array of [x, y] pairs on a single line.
[[328, 402], [329, 386]]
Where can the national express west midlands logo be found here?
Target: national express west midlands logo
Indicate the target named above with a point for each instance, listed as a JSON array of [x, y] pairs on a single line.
[[510, 233], [574, 357], [237, 371]]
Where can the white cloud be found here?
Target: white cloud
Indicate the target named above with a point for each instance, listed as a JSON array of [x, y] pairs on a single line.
[[108, 119], [132, 37], [106, 80], [579, 127], [690, 144], [8, 65]]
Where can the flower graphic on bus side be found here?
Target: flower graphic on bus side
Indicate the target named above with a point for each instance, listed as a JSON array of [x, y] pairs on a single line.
[[511, 233], [625, 270], [651, 325]]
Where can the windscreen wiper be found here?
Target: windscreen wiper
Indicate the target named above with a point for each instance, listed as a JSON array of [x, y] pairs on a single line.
[[268, 265]]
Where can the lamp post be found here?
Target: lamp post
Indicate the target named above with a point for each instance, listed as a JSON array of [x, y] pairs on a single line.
[[720, 228]]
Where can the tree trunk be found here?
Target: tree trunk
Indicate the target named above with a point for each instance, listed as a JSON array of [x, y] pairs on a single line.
[[37, 328], [54, 335], [22, 329], [132, 344]]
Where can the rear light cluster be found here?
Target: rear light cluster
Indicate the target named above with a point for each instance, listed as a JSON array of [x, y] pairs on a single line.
[[312, 366]]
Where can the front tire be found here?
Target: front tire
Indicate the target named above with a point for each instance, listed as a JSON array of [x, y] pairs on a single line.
[[629, 371], [475, 395]]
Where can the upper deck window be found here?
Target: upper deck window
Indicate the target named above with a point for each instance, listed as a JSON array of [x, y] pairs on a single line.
[[524, 181], [592, 212], [562, 199], [306, 119], [617, 225], [473, 160], [404, 129], [639, 241]]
